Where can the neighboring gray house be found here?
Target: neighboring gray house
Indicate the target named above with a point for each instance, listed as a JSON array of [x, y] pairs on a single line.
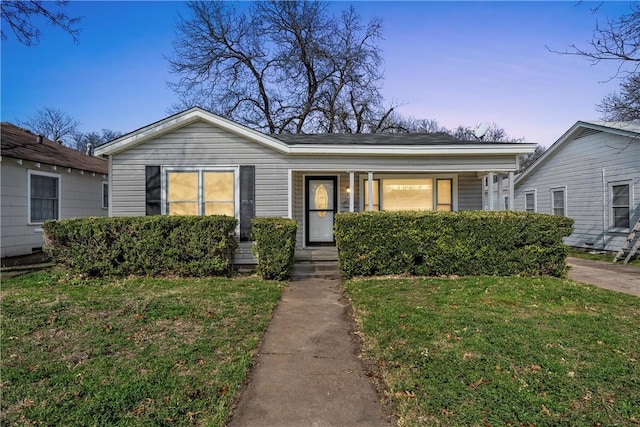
[[590, 174], [198, 163], [43, 180]]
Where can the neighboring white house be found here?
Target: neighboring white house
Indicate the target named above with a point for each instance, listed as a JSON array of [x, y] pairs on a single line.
[[196, 162], [43, 180], [590, 174]]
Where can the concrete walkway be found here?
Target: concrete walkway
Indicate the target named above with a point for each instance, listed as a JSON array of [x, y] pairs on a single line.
[[607, 275], [307, 372]]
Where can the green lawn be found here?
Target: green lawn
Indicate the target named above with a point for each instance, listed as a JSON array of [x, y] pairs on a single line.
[[502, 351], [128, 352]]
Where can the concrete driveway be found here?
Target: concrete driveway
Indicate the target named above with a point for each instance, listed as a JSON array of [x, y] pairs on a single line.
[[607, 275]]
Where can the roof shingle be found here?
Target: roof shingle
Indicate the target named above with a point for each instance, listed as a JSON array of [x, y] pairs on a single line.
[[22, 144], [370, 139]]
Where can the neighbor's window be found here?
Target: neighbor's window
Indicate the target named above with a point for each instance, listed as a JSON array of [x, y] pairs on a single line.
[[200, 192], [44, 196], [558, 201], [530, 201], [620, 205], [105, 194]]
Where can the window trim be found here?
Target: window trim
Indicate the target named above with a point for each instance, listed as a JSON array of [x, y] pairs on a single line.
[[363, 182], [30, 173], [564, 200], [610, 185], [201, 170], [534, 193], [105, 192]]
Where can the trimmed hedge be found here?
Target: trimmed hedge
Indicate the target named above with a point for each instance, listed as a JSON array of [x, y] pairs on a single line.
[[274, 247], [451, 243], [151, 245]]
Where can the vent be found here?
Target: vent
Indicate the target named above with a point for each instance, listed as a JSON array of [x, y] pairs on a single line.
[[586, 132]]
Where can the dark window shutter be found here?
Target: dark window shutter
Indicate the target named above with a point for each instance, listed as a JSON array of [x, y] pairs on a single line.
[[247, 200], [153, 197]]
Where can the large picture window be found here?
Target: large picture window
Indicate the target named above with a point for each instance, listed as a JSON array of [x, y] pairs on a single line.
[[620, 205], [410, 193], [44, 197], [200, 192]]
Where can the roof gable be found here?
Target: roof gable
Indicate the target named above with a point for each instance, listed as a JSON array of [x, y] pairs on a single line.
[[180, 120], [21, 144], [579, 130]]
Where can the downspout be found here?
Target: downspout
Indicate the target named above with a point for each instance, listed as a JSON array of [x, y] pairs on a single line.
[[604, 208]]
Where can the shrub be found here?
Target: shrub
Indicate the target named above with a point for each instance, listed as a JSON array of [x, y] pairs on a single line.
[[451, 243], [153, 245], [274, 247]]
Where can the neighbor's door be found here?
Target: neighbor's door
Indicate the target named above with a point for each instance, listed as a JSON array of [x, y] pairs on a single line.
[[320, 202]]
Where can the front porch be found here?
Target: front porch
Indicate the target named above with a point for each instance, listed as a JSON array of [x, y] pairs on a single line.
[[316, 196]]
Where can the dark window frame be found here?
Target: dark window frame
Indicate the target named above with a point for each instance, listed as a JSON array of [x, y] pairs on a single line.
[[39, 202]]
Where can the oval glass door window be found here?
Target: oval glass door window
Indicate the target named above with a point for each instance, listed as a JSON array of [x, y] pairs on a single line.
[[321, 199]]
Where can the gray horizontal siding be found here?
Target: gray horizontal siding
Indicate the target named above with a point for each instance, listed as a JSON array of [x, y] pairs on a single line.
[[469, 192], [201, 144], [81, 196], [578, 164]]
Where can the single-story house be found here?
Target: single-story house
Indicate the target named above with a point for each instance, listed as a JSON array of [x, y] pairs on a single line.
[[196, 162], [42, 180], [590, 174]]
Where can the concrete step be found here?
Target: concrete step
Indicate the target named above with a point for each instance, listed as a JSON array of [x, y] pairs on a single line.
[[319, 254], [315, 270]]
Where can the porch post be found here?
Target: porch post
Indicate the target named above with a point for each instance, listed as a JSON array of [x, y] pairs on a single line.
[[500, 188], [352, 187], [490, 190], [511, 192], [290, 193], [370, 186]]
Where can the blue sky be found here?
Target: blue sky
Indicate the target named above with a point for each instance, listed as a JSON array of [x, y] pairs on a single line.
[[460, 63]]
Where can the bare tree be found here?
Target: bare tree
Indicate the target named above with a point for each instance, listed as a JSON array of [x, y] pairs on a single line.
[[397, 123], [625, 104], [527, 160], [280, 66], [83, 140], [494, 133], [52, 123], [19, 16], [109, 134], [617, 40]]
